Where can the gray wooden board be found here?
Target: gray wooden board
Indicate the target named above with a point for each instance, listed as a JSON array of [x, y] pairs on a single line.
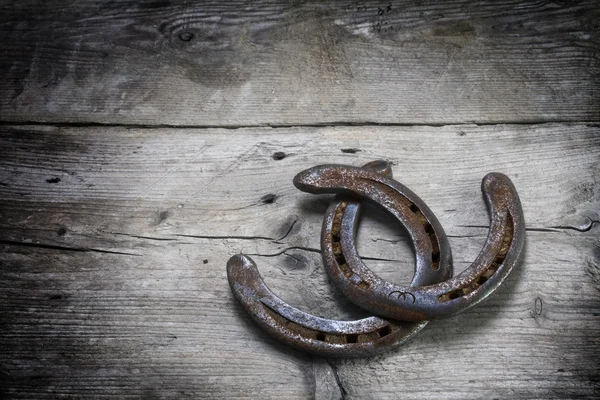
[[113, 244], [287, 63]]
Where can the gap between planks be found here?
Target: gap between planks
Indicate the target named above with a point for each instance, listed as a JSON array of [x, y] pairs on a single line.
[[365, 124]]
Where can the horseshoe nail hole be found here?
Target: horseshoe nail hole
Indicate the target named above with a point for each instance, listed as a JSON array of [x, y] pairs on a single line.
[[414, 208], [435, 260], [386, 330], [336, 236], [345, 268], [351, 338], [363, 285], [280, 155], [336, 247], [481, 280], [429, 229], [321, 336], [455, 294], [340, 259]]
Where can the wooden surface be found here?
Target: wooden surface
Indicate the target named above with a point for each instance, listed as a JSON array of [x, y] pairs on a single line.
[[286, 63], [144, 143]]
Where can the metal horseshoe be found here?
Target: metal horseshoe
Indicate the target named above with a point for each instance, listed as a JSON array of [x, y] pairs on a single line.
[[420, 302], [325, 337]]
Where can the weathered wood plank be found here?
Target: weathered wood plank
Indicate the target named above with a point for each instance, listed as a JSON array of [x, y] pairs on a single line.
[[280, 63], [113, 245], [122, 326]]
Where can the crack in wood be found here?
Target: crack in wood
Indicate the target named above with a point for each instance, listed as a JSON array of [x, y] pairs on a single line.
[[555, 229], [341, 387], [65, 248], [225, 237], [312, 250], [331, 124]]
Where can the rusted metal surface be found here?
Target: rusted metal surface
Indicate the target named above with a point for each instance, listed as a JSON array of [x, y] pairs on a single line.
[[325, 337], [403, 309], [415, 302], [321, 336]]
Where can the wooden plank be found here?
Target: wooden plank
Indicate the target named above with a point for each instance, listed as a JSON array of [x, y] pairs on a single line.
[[280, 63], [113, 244]]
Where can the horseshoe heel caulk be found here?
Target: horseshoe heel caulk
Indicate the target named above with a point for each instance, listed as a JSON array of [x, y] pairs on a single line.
[[317, 335], [420, 302]]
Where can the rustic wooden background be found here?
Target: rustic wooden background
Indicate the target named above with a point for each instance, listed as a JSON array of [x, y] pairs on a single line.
[[142, 143]]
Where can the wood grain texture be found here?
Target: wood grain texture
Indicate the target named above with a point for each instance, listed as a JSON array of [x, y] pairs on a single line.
[[113, 244], [288, 63]]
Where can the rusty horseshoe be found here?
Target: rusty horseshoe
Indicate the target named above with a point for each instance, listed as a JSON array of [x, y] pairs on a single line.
[[325, 337], [419, 302]]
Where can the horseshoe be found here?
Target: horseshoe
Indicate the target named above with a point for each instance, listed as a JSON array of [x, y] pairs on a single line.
[[499, 255], [325, 337]]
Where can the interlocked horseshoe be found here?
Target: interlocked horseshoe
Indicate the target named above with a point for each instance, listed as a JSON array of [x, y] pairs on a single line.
[[416, 303], [327, 337], [324, 337]]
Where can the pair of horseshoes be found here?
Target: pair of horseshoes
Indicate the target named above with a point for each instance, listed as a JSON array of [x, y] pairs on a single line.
[[400, 312]]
